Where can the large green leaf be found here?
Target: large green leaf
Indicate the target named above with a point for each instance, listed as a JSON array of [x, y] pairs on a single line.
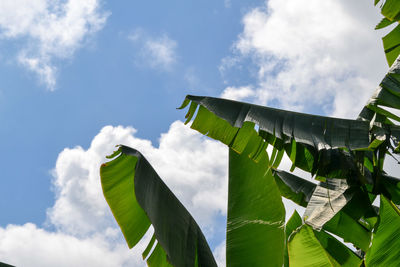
[[311, 248], [256, 215], [292, 224], [312, 142], [137, 197], [385, 246]]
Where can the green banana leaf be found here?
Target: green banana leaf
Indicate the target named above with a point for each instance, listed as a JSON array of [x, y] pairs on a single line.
[[391, 9], [387, 94], [314, 143], [256, 215], [292, 224], [391, 42], [385, 250], [311, 248], [137, 198]]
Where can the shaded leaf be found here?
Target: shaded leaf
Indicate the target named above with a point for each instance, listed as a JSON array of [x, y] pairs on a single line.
[[312, 142], [295, 188], [384, 250], [137, 196], [256, 215]]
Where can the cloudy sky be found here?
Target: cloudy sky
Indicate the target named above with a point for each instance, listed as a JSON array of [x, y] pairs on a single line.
[[80, 76]]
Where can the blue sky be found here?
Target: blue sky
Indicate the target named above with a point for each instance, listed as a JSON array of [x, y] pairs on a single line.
[[78, 77]]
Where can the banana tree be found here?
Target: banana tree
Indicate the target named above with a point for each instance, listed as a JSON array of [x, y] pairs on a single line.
[[345, 157]]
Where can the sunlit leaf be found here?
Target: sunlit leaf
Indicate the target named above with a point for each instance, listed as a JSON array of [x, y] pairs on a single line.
[[311, 248], [256, 215], [385, 246], [293, 223]]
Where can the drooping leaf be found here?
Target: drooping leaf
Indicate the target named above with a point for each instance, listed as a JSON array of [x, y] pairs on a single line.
[[295, 188], [384, 250], [312, 142], [137, 197], [311, 248], [326, 201], [292, 224], [256, 215]]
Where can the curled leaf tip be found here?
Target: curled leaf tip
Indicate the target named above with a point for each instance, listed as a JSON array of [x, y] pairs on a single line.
[[184, 104]]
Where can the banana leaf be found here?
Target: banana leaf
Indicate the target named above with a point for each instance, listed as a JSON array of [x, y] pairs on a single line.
[[391, 42], [326, 201], [138, 197], [311, 248], [300, 190], [387, 94], [256, 215], [293, 223], [316, 144], [295, 188], [384, 250]]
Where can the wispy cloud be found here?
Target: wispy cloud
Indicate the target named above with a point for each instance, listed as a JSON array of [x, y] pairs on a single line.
[[155, 52], [51, 30]]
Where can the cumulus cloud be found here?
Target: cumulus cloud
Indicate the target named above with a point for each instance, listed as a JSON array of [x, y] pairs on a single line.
[[155, 52], [238, 93], [50, 30], [28, 245], [312, 55], [86, 234]]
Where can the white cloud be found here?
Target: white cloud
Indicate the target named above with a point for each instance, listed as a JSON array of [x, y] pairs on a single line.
[[313, 54], [156, 52], [28, 245], [51, 30], [238, 93], [86, 234]]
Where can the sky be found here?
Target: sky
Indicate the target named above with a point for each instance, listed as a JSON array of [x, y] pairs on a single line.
[[78, 77]]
